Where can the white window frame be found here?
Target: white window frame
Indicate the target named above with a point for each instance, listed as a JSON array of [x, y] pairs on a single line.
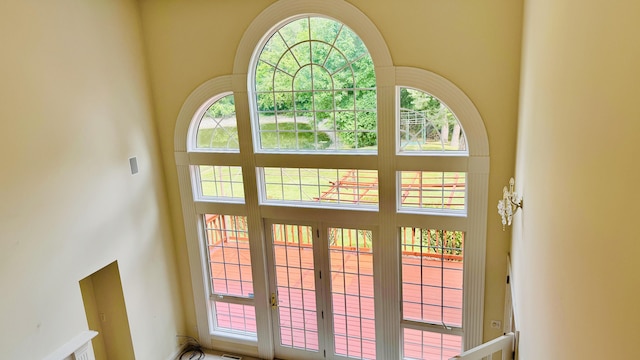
[[388, 76]]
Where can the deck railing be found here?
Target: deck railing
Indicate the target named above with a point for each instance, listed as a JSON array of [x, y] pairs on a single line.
[[219, 231], [506, 346]]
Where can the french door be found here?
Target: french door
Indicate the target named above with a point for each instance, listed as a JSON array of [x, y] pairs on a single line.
[[321, 287]]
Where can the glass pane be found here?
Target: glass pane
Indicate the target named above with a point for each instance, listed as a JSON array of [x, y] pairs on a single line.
[[319, 53], [302, 52], [295, 31], [351, 265], [351, 45], [235, 318], [335, 61], [273, 49], [337, 187], [324, 30], [303, 80], [432, 262], [218, 127], [221, 181], [282, 81], [295, 283], [432, 190], [427, 125], [264, 77], [426, 345], [316, 77], [288, 64], [229, 258]]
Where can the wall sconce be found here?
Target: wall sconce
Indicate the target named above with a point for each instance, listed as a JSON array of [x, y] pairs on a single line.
[[509, 204]]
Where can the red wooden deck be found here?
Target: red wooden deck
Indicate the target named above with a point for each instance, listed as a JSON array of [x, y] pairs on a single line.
[[427, 284]]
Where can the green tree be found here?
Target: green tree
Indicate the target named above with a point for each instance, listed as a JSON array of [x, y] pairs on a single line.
[[224, 107], [317, 67], [443, 124], [443, 242]]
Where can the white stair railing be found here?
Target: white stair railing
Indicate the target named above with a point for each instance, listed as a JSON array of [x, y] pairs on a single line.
[[505, 347], [78, 348], [504, 344]]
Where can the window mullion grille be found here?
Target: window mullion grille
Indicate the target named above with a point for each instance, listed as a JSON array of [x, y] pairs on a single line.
[[442, 190], [299, 249], [300, 184], [387, 254], [442, 249], [282, 183], [232, 299], [422, 260], [358, 234]]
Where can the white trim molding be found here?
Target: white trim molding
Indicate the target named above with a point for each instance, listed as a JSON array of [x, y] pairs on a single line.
[[387, 161], [283, 10], [456, 100], [78, 348]]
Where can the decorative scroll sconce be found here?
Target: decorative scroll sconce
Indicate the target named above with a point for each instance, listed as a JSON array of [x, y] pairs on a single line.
[[509, 204]]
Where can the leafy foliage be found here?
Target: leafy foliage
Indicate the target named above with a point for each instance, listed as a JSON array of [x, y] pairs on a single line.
[[437, 113], [443, 242], [289, 136], [223, 108], [216, 134], [320, 67]]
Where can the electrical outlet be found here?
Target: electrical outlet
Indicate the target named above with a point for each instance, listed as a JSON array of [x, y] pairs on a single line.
[[496, 324]]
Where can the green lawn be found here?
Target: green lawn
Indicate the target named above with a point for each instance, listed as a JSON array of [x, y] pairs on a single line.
[[309, 185], [284, 135]]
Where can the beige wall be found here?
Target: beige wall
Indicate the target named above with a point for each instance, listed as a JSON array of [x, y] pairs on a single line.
[[107, 314], [475, 44], [93, 316], [575, 245], [75, 105]]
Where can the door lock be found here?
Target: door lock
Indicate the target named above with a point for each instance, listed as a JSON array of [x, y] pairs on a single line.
[[274, 301]]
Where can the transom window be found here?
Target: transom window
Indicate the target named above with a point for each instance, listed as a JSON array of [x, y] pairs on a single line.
[[322, 187], [304, 205]]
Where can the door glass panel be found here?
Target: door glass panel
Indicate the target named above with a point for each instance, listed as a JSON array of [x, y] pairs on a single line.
[[235, 318], [351, 265], [230, 273], [229, 258], [432, 265], [418, 344], [295, 284]]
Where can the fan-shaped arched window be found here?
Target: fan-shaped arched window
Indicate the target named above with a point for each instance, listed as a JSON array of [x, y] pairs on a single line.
[[218, 128], [427, 125], [315, 89]]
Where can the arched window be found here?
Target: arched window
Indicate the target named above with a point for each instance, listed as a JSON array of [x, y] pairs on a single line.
[[315, 90], [317, 178]]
